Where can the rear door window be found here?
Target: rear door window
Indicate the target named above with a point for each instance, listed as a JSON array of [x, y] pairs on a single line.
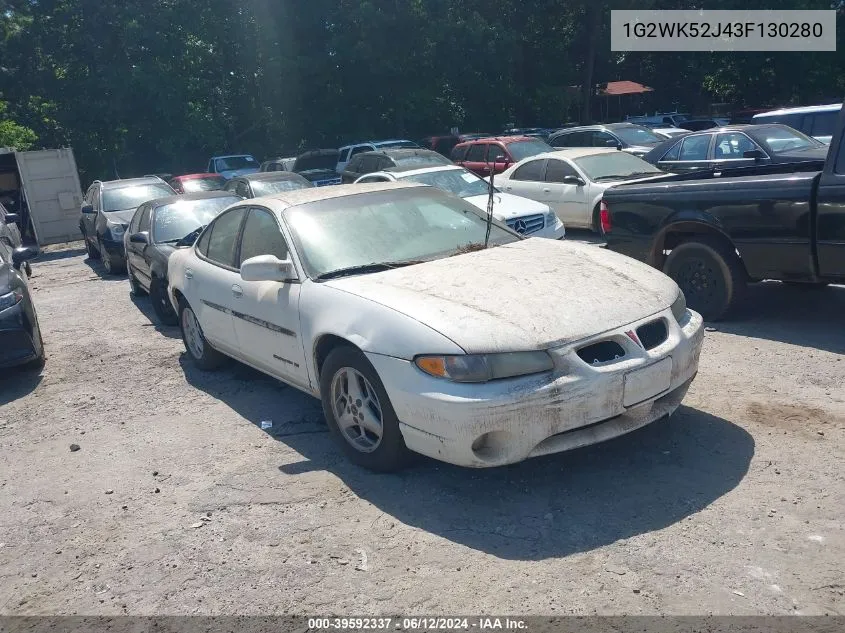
[[674, 153], [695, 147], [476, 153], [459, 153], [531, 171], [496, 153], [603, 139], [361, 149], [223, 238]]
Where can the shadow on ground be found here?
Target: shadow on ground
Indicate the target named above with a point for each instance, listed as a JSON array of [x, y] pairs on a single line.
[[53, 256], [97, 266], [17, 382], [146, 308], [798, 315], [542, 508]]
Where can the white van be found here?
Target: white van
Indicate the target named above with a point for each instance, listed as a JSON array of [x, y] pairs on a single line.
[[816, 121]]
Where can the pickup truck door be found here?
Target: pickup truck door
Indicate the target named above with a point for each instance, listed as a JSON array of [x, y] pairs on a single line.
[[830, 205]]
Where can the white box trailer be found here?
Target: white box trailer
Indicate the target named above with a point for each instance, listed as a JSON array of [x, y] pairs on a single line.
[[48, 192]]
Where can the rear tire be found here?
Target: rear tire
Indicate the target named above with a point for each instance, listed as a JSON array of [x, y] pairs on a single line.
[[711, 275], [204, 356], [161, 302], [597, 220], [366, 398], [134, 285]]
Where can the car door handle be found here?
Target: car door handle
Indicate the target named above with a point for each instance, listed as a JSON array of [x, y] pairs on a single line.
[[237, 291], [546, 190], [189, 274]]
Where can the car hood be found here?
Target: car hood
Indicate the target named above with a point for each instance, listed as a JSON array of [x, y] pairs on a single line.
[[326, 160], [507, 206], [318, 174], [531, 294]]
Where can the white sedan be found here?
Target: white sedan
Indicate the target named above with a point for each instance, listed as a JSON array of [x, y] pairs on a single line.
[[523, 215], [572, 181], [420, 332]]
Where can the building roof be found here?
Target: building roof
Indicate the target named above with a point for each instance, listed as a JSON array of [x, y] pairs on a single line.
[[618, 88]]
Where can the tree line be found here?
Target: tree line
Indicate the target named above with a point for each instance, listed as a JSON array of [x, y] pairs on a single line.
[[142, 86]]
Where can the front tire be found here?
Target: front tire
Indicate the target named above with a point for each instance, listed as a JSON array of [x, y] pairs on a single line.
[[359, 413], [710, 274], [204, 356], [161, 302], [108, 263]]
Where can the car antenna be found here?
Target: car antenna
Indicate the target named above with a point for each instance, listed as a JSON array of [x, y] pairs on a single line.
[[490, 191]]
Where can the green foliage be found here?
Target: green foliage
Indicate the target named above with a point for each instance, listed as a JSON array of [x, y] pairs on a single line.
[[12, 134], [160, 85]]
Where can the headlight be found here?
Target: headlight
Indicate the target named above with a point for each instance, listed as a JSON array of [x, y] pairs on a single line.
[[10, 299], [485, 367], [679, 308], [117, 231], [551, 218]]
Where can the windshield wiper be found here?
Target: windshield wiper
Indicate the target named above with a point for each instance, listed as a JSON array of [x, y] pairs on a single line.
[[365, 268], [189, 239]]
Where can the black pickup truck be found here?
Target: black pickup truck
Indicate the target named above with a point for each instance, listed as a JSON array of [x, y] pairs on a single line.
[[714, 232]]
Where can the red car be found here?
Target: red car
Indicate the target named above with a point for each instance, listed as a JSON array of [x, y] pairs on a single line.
[[192, 183], [495, 154]]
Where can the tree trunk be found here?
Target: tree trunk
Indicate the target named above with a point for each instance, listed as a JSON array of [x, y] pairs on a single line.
[[592, 25]]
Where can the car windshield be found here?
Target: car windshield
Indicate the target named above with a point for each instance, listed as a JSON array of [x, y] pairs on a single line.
[[175, 221], [236, 162], [615, 166], [458, 181], [396, 145], [780, 139], [269, 187], [207, 183], [395, 225], [526, 149], [126, 198], [635, 135], [430, 159]]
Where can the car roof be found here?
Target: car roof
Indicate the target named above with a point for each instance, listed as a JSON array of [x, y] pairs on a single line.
[[287, 199], [398, 172], [500, 139], [189, 197], [577, 152], [195, 176], [833, 107], [598, 126], [399, 152], [270, 175], [232, 156], [132, 182]]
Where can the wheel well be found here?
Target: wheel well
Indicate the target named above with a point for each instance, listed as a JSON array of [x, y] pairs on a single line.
[[324, 347], [179, 296], [685, 232]]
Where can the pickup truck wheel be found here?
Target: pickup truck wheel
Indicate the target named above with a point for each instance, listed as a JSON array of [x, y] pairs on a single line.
[[710, 274], [359, 413]]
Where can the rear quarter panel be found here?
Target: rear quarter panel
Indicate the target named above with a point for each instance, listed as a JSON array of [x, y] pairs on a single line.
[[767, 218]]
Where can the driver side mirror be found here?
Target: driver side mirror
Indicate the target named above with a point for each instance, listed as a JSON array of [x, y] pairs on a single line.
[[142, 237], [756, 154], [23, 254], [88, 208], [11, 218], [574, 180], [268, 268]]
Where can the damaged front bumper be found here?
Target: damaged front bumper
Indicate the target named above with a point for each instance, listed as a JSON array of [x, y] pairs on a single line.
[[579, 403]]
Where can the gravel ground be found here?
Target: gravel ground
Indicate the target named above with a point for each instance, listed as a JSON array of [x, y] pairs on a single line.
[[179, 503]]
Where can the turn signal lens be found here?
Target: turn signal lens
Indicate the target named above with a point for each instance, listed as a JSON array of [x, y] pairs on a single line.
[[434, 365], [485, 367]]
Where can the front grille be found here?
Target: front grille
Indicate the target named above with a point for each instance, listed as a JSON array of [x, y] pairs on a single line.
[[653, 334], [527, 224], [600, 353]]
